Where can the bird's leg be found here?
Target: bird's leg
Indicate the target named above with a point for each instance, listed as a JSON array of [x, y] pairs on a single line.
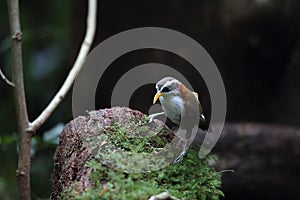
[[182, 154], [186, 138], [152, 116]]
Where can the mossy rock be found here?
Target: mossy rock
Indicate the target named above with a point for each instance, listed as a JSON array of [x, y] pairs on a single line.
[[117, 154]]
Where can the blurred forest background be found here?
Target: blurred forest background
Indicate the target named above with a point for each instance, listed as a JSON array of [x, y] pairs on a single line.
[[255, 44]]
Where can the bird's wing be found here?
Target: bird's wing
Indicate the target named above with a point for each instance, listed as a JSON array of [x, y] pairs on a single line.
[[202, 117], [196, 94]]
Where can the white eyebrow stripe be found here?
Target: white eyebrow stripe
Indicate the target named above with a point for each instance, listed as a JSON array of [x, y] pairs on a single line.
[[156, 86], [170, 82], [165, 84]]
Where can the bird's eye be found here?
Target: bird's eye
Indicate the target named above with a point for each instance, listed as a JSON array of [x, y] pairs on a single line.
[[165, 89]]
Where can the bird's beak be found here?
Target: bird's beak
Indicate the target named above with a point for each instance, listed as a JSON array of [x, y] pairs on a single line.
[[157, 96]]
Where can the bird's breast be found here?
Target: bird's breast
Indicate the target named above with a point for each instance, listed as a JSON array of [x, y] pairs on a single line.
[[172, 106]]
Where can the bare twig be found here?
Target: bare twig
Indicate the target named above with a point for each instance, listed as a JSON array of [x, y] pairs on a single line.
[[226, 170], [8, 82], [23, 172], [84, 50]]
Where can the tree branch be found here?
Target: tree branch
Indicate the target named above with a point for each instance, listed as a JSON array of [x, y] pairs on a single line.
[[8, 82], [84, 50], [23, 172]]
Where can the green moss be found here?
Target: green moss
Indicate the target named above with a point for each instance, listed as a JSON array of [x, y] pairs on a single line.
[[135, 136], [190, 179]]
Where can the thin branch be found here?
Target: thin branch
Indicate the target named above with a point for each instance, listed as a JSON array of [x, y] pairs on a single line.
[[23, 172], [8, 82], [84, 50], [226, 170]]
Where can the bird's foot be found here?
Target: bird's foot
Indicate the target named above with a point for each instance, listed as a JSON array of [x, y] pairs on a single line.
[[180, 157], [152, 116]]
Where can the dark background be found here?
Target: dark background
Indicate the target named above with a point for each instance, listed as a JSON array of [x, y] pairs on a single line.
[[253, 42]]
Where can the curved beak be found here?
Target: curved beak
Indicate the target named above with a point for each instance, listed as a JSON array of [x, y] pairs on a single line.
[[157, 97]]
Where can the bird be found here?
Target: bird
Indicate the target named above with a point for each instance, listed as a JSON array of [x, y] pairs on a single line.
[[177, 100]]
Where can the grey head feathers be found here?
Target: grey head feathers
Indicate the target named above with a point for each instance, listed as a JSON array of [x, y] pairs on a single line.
[[167, 84]]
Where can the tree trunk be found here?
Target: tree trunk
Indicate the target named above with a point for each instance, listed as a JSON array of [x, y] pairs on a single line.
[[265, 160]]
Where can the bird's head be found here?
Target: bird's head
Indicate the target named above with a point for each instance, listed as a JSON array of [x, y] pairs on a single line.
[[175, 98], [167, 87]]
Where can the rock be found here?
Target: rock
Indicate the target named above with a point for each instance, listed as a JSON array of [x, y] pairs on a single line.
[[75, 148], [117, 154]]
